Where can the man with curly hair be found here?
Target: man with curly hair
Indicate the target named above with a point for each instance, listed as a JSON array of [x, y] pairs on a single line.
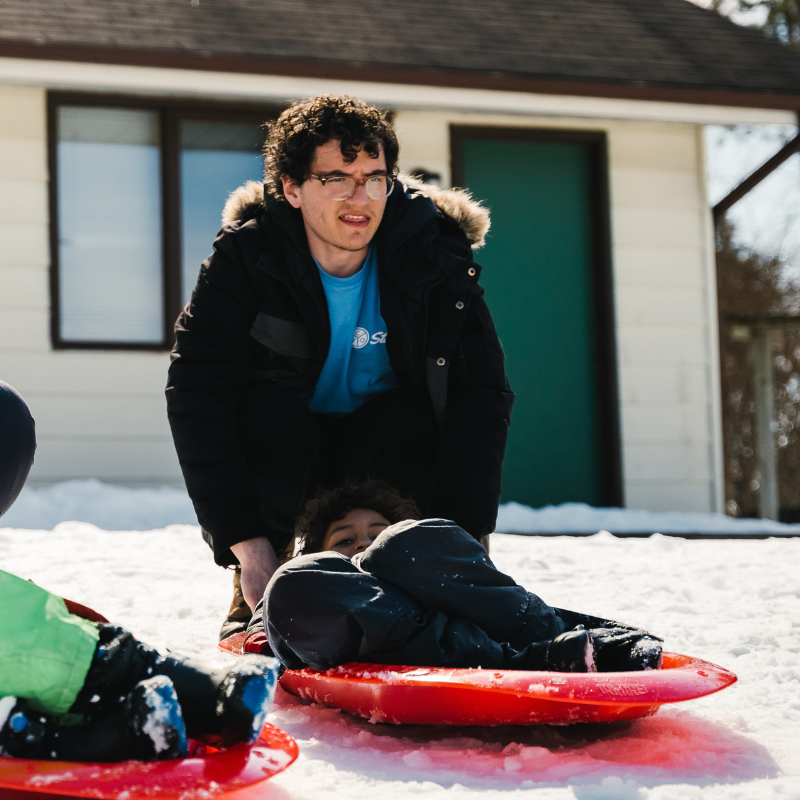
[[337, 332]]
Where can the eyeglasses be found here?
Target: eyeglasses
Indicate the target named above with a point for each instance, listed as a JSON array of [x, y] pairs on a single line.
[[343, 187]]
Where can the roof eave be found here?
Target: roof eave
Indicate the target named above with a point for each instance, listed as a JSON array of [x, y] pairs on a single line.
[[502, 82]]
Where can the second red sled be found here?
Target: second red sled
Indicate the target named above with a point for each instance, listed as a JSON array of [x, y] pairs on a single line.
[[207, 773], [441, 696]]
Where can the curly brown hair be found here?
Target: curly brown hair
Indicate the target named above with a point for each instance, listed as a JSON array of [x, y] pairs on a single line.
[[335, 504], [294, 137]]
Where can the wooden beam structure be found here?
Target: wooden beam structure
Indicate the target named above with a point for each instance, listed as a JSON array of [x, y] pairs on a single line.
[[769, 504], [750, 182]]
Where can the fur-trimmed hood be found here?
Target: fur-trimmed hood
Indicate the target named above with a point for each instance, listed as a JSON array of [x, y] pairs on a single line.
[[457, 204]]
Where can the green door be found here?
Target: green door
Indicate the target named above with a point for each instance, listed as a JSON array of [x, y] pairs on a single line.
[[538, 276]]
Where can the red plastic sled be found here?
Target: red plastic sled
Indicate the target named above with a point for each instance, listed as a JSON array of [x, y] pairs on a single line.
[[438, 696], [207, 773]]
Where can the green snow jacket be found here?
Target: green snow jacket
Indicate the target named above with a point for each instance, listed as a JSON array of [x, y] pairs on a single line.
[[45, 651]]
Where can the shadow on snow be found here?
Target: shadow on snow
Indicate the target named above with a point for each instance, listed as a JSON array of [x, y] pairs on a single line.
[[672, 747]]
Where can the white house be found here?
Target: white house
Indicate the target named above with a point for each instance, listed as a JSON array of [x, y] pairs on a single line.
[[579, 123]]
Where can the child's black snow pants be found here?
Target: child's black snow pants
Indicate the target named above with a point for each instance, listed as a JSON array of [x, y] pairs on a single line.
[[424, 594]]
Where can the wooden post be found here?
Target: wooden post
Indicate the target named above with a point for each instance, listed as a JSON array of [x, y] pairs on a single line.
[[765, 435]]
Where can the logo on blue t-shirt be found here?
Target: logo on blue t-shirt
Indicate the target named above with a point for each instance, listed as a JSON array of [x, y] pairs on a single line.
[[361, 338]]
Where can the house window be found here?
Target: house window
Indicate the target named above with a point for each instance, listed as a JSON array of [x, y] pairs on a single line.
[[137, 190], [109, 222], [216, 157]]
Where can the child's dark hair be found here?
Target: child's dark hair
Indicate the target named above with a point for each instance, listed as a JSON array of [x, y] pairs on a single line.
[[293, 138], [334, 504]]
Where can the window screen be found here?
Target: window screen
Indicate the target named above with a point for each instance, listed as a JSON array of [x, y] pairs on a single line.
[[216, 158], [111, 286]]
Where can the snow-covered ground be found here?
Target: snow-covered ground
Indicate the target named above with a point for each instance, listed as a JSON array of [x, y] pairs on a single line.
[[734, 602], [123, 508]]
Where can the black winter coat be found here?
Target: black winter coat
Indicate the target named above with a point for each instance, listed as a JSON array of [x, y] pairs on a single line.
[[258, 315]]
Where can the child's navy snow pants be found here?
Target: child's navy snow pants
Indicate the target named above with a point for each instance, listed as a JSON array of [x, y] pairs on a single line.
[[424, 594], [17, 445]]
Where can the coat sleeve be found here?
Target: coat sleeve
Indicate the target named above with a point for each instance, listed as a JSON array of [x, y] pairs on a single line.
[[208, 373], [469, 470]]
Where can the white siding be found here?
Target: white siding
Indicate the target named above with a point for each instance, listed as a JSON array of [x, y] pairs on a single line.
[[98, 413], [664, 290], [666, 330]]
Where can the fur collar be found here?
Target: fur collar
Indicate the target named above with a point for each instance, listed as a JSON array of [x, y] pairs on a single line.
[[457, 204]]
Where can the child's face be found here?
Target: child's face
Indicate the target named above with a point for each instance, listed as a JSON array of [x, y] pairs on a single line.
[[355, 532]]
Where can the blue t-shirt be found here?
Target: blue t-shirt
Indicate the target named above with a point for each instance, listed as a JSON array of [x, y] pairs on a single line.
[[357, 367]]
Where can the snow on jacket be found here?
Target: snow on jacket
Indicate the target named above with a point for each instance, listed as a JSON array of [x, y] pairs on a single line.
[[258, 315]]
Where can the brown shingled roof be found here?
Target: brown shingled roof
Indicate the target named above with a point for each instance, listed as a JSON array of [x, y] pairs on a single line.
[[638, 46]]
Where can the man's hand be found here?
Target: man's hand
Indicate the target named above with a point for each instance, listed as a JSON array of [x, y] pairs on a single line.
[[258, 560]]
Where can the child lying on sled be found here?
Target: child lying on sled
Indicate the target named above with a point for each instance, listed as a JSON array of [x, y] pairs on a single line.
[[373, 583], [132, 702]]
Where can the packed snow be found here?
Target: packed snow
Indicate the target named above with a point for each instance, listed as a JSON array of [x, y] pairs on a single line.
[[733, 602], [102, 504], [123, 508], [581, 518]]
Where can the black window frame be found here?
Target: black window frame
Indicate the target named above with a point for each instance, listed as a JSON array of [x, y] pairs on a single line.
[[170, 112]]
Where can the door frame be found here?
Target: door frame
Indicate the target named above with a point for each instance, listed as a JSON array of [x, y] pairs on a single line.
[[605, 346]]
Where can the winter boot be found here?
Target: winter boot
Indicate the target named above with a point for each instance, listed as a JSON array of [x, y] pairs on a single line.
[[569, 652], [228, 704], [625, 650], [255, 640], [239, 614], [145, 726], [596, 650], [231, 703]]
